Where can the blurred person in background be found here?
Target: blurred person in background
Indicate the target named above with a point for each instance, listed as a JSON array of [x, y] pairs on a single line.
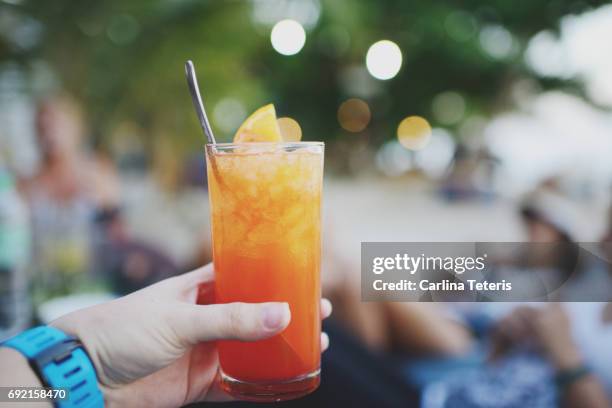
[[553, 259], [407, 328], [81, 238], [553, 254], [69, 187], [541, 268], [470, 175], [15, 245], [126, 263], [536, 355], [594, 282], [542, 354]]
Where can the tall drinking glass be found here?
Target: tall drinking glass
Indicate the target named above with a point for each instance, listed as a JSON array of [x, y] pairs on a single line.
[[266, 228]]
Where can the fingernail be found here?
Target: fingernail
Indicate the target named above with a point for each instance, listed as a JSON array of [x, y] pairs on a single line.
[[324, 341], [275, 315], [327, 306]]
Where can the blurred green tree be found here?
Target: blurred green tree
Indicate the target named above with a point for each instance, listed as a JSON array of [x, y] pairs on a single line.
[[124, 60]]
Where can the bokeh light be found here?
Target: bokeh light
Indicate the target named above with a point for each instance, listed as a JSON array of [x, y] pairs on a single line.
[[228, 114], [471, 130], [448, 107], [354, 115], [355, 80], [288, 37], [547, 57], [414, 132], [460, 26], [384, 59], [496, 41], [268, 12], [20, 31], [123, 29], [290, 129], [393, 160], [435, 158]]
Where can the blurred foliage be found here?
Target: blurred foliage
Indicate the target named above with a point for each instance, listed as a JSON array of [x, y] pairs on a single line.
[[124, 59]]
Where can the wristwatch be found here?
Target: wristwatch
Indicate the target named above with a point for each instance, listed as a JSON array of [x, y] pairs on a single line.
[[567, 377], [61, 362]]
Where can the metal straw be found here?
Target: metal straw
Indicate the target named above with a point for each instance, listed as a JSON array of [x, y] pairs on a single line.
[[194, 90]]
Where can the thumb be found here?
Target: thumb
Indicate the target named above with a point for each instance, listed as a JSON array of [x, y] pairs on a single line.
[[234, 321]]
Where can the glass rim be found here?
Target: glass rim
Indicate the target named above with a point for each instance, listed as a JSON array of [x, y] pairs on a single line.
[[282, 145], [232, 144]]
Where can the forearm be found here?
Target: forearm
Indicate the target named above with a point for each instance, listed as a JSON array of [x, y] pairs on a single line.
[[16, 372], [584, 392]]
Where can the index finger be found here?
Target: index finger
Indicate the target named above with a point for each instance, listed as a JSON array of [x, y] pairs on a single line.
[[196, 286], [203, 274]]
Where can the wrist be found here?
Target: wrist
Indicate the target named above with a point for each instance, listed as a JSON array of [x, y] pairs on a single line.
[[567, 377], [113, 396], [71, 327], [59, 361], [21, 374]]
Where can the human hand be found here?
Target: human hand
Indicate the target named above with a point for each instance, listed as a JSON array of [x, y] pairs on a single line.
[[155, 347], [513, 329], [547, 328]]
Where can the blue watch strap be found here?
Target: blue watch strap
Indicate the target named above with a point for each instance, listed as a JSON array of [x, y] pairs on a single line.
[[61, 362], [33, 341]]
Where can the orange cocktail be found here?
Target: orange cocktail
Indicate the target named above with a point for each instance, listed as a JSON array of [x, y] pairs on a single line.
[[266, 227]]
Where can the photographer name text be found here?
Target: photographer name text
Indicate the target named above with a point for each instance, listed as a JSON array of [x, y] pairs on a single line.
[[413, 264]]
